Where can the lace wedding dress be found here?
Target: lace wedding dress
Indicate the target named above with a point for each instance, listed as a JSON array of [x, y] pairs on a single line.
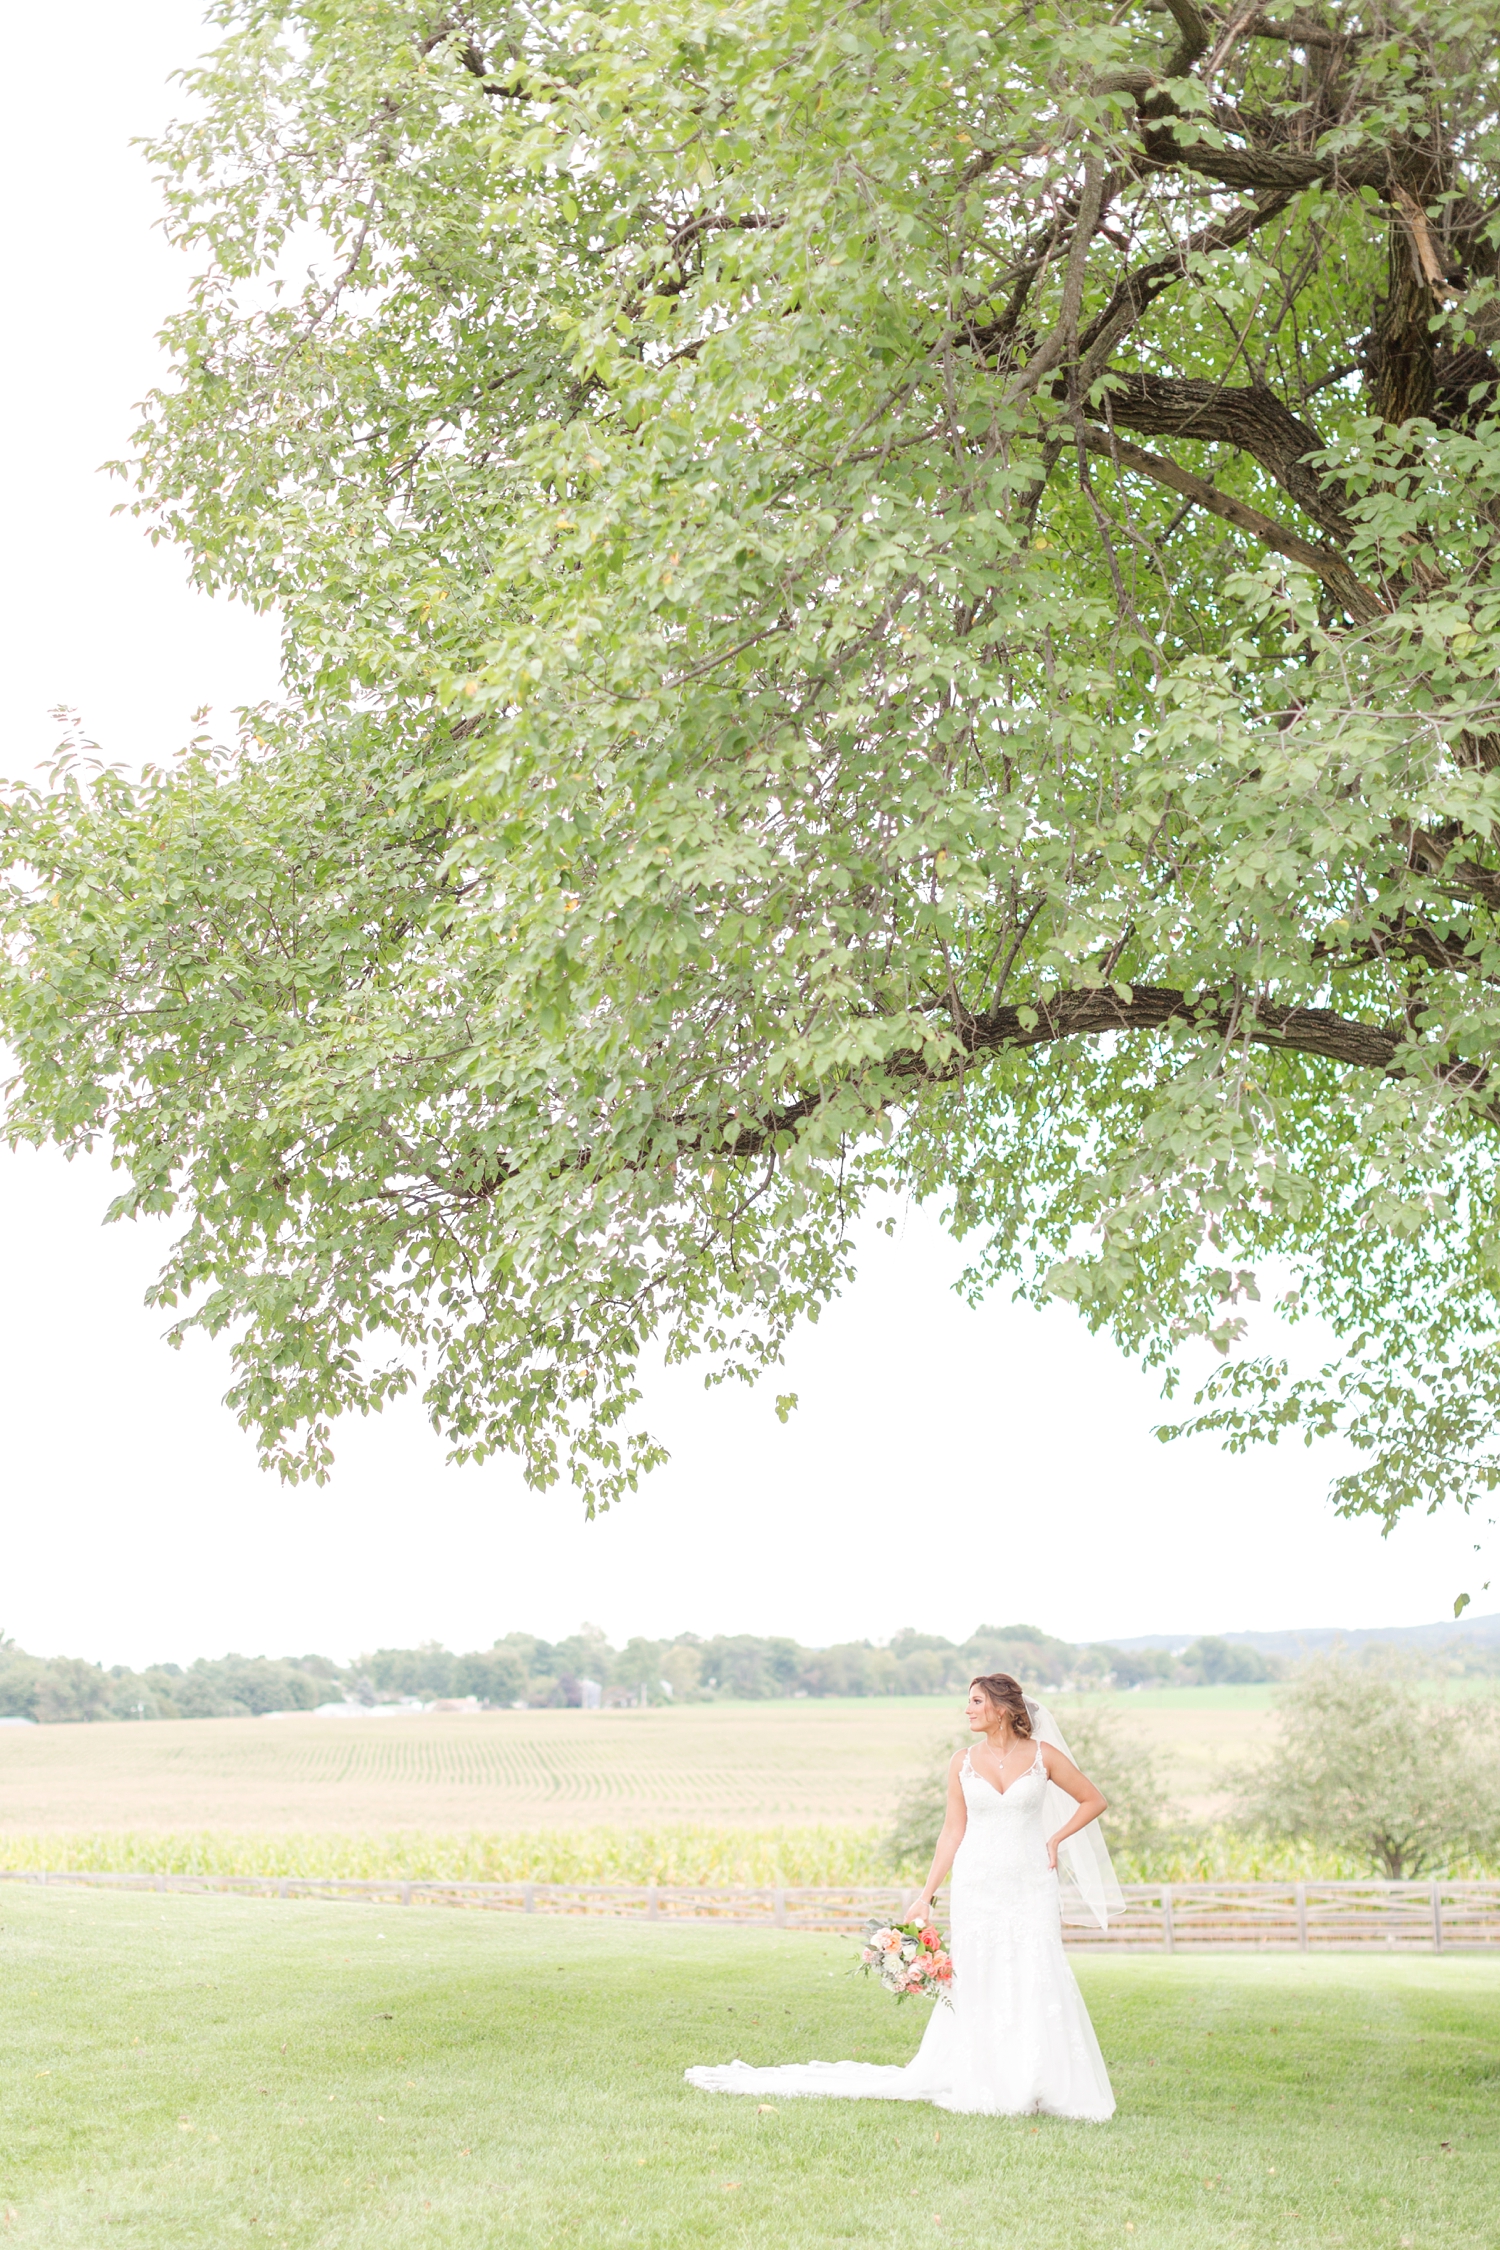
[[1017, 2038]]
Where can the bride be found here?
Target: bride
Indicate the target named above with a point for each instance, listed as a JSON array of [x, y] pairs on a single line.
[[1017, 2039]]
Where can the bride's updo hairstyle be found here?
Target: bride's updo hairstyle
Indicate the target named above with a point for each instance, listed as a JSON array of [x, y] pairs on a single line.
[[1004, 1694]]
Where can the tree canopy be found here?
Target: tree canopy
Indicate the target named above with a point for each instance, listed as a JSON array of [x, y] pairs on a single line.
[[875, 596], [1366, 1764]]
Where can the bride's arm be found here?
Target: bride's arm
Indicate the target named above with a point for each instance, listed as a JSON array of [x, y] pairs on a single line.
[[955, 1821], [1091, 1801]]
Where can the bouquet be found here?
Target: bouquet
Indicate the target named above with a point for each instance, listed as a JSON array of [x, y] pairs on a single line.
[[908, 1957]]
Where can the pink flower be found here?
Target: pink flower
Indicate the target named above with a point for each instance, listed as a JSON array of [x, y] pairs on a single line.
[[931, 1939]]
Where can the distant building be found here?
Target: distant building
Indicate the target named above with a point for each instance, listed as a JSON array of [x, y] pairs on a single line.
[[351, 1710], [593, 1694]]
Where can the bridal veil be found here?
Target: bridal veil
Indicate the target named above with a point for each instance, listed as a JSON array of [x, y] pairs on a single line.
[[1090, 1888]]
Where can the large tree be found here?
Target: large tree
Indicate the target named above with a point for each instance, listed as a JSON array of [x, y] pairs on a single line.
[[1367, 1765], [874, 595]]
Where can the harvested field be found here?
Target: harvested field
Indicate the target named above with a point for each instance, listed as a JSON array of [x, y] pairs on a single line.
[[1198, 1735], [734, 1765]]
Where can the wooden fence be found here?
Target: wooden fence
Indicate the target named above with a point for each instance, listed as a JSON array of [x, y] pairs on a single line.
[[1425, 1917]]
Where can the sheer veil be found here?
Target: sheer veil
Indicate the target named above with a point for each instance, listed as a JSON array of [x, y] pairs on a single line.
[[1090, 1888]]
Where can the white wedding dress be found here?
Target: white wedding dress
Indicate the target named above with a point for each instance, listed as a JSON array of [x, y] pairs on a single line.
[[1017, 2039]]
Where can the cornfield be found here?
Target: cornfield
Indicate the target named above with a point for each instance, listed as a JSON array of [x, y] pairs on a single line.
[[686, 1853], [1226, 1855], [669, 1854]]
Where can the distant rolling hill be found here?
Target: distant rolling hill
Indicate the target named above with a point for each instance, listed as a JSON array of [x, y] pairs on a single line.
[[1307, 1640]]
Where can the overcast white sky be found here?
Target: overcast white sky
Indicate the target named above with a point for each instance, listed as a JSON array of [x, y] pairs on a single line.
[[945, 1466]]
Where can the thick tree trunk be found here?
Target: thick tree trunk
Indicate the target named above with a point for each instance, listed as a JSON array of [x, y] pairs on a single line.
[[1401, 365]]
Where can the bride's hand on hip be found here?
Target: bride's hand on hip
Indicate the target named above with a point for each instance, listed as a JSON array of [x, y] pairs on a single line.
[[1052, 1843]]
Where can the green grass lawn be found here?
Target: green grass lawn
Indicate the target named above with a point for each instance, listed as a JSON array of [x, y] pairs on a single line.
[[214, 2071]]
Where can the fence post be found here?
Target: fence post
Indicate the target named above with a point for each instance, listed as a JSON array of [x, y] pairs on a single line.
[[528, 1898], [652, 1904], [1302, 1917], [406, 1894], [1168, 1933], [780, 1909], [1437, 1919]]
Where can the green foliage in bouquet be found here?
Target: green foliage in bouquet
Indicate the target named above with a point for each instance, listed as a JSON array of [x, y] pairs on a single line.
[[873, 597]]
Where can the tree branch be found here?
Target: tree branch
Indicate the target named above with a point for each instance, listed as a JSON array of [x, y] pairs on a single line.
[[1233, 32], [1250, 417], [1193, 36], [1363, 605], [1266, 169], [1297, 33], [1064, 337], [1317, 1032], [1140, 289]]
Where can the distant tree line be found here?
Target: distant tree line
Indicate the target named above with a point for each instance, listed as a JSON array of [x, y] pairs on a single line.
[[522, 1669], [750, 1667], [65, 1689]]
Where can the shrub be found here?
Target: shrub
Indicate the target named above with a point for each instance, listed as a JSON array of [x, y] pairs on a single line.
[[1128, 1772], [1368, 1766]]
